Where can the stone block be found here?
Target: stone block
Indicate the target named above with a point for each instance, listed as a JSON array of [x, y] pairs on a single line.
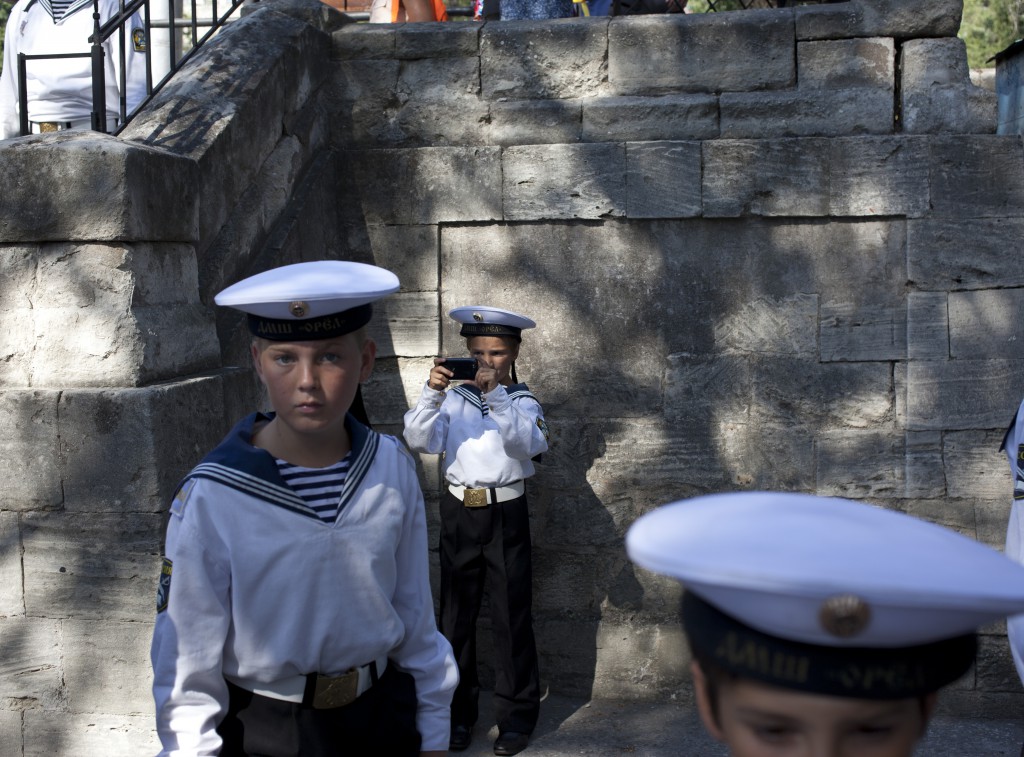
[[365, 41], [860, 464], [927, 326], [535, 122], [938, 96], [878, 176], [395, 386], [805, 113], [551, 59], [12, 599], [957, 394], [974, 467], [854, 331], [708, 388], [772, 328], [156, 434], [31, 672], [388, 186], [846, 64], [411, 252], [925, 475], [777, 177], [979, 177], [903, 19], [430, 124], [405, 325], [109, 735], [108, 671], [119, 190], [29, 450], [945, 511], [712, 52], [563, 181], [645, 119], [663, 179], [445, 80], [422, 41], [995, 669], [99, 566], [629, 661], [928, 63], [10, 732], [831, 21], [19, 264], [793, 394], [936, 257], [991, 516], [372, 82], [986, 323]]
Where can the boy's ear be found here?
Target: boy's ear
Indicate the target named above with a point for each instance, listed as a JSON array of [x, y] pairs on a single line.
[[704, 704], [368, 358], [254, 351]]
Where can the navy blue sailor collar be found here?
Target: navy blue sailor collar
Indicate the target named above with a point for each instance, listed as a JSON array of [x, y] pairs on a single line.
[[237, 463]]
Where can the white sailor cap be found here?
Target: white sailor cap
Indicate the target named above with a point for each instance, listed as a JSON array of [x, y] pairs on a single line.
[[824, 594], [307, 301], [482, 320]]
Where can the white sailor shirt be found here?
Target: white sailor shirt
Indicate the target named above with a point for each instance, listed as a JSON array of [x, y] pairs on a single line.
[[255, 586], [61, 89], [1013, 445], [488, 440]]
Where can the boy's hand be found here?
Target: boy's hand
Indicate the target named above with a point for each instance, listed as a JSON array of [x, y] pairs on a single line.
[[440, 377], [486, 378]]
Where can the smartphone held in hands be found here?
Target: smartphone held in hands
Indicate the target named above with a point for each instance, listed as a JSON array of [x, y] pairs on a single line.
[[462, 368]]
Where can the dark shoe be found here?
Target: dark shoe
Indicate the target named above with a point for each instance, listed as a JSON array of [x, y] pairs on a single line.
[[511, 742], [461, 736]]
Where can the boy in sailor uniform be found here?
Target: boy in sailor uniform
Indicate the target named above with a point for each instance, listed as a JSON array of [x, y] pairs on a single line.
[[488, 430], [59, 90], [294, 616], [822, 626]]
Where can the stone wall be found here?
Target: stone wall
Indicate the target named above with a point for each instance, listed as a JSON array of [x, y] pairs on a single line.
[[765, 249]]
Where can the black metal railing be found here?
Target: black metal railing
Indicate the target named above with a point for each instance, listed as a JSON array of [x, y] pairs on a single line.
[[179, 53]]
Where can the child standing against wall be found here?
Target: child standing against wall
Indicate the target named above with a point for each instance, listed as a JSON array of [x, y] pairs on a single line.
[[488, 430], [294, 615]]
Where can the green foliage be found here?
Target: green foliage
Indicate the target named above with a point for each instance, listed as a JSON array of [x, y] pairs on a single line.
[[989, 26], [5, 11]]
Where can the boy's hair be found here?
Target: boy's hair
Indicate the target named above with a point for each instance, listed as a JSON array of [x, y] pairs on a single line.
[[360, 334], [510, 341]]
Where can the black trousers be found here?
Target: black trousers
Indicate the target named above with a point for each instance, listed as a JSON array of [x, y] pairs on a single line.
[[490, 546], [380, 722]]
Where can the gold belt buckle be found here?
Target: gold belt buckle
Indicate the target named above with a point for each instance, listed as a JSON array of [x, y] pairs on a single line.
[[47, 126], [474, 498], [336, 692]]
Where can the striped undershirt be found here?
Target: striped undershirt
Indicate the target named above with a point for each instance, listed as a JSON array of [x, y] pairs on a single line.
[[320, 488]]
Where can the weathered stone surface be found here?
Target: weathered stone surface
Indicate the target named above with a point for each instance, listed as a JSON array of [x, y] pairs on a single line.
[[805, 113], [30, 664], [980, 177], [709, 53], [446, 80], [392, 185], [847, 64], [642, 119], [938, 257], [853, 332], [858, 464], [770, 328], [152, 434], [663, 179], [421, 41], [925, 476], [430, 124], [390, 392], [12, 600], [986, 323], [10, 732], [927, 326], [29, 449], [535, 122], [46, 733], [410, 252], [110, 672], [563, 181], [558, 59], [778, 177], [880, 18], [937, 93], [405, 325], [365, 41], [974, 466], [119, 190], [100, 566], [875, 176], [957, 394]]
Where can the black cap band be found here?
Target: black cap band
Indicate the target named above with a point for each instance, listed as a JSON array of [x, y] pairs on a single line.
[[857, 672], [490, 329], [310, 329]]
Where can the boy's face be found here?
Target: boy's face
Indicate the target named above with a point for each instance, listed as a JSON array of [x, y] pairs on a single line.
[[495, 352], [758, 720], [312, 384]]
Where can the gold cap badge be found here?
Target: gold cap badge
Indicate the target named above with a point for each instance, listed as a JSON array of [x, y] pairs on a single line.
[[844, 615], [298, 308]]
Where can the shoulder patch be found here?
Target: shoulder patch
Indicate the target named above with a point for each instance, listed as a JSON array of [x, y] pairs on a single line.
[[164, 591], [139, 40], [543, 426]]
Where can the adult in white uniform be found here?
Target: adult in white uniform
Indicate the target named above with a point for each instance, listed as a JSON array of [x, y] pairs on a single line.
[[489, 429], [295, 617], [59, 90], [1013, 445]]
